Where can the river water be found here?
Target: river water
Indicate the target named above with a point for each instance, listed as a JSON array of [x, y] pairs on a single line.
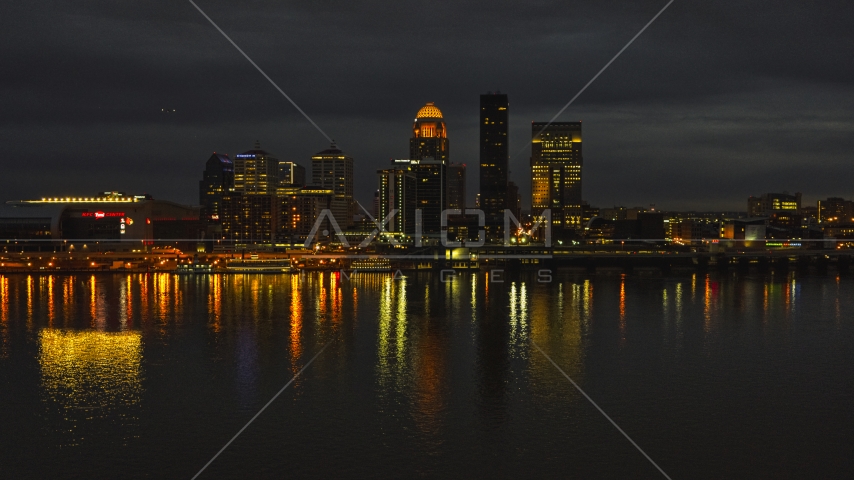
[[150, 375]]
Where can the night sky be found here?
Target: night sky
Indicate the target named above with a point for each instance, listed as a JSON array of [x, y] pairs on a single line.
[[714, 102]]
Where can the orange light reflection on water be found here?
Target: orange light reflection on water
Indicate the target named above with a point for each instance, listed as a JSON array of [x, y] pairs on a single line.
[[296, 321], [4, 316], [623, 307]]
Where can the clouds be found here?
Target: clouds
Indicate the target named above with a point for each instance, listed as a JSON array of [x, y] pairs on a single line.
[[740, 96]]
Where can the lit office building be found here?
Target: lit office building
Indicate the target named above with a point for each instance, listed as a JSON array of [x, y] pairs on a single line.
[[332, 169], [250, 212], [249, 218], [217, 180], [768, 203], [397, 192], [256, 172], [835, 210], [494, 125], [299, 209], [556, 162]]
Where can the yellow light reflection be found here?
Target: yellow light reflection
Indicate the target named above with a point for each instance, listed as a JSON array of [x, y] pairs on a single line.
[[67, 297], [622, 309], [296, 321], [384, 331], [474, 297], [355, 313], [322, 298], [693, 287], [51, 308], [162, 295], [587, 306], [707, 306], [124, 312], [336, 297], [90, 370], [4, 316], [215, 302], [765, 303], [558, 325], [622, 303], [678, 308], [29, 301], [514, 314], [401, 321], [4, 299]]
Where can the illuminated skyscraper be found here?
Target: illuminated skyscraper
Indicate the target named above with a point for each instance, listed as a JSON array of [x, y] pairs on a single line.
[[556, 162], [217, 180], [256, 172], [397, 192], [332, 169], [493, 161], [428, 151], [768, 203], [429, 136], [249, 213], [299, 209], [249, 218]]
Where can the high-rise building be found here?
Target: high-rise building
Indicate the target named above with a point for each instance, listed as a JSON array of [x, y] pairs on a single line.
[[556, 163], [397, 191], [250, 218], [455, 186], [291, 174], [256, 172], [429, 136], [430, 193], [493, 161], [768, 203], [332, 169], [835, 210], [299, 209], [428, 152], [376, 207], [514, 202], [250, 211], [217, 180]]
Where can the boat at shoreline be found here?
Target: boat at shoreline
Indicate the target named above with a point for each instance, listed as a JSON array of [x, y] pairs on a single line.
[[259, 265]]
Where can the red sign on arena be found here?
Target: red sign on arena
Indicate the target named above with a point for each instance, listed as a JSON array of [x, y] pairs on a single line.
[[100, 214]]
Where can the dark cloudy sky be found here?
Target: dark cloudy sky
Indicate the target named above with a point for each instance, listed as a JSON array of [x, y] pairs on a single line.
[[717, 100]]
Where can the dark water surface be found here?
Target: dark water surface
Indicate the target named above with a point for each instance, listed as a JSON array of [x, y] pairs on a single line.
[[148, 376]]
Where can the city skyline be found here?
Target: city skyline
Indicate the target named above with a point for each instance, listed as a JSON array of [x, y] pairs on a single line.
[[753, 119], [236, 241]]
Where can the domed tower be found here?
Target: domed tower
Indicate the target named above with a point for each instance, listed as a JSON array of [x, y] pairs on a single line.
[[429, 135]]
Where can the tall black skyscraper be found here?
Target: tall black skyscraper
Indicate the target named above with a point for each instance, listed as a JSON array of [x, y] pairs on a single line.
[[217, 180], [493, 161]]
